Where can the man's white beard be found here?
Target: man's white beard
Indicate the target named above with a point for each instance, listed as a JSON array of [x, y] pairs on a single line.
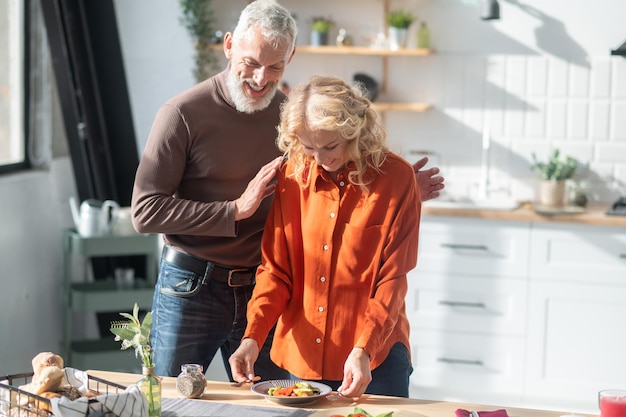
[[242, 102]]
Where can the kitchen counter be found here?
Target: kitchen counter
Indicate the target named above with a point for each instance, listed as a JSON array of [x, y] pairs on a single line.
[[224, 392], [592, 215]]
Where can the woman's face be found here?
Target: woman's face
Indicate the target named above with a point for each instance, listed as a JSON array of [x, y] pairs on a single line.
[[326, 147]]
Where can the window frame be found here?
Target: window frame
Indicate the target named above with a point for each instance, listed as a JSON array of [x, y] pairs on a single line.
[[25, 81]]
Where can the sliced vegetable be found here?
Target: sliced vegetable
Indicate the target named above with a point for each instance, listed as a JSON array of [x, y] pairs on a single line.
[[299, 389], [359, 412]]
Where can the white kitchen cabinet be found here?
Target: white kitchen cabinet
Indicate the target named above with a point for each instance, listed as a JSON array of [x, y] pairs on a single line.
[[595, 255], [459, 366], [467, 308], [518, 313], [576, 339], [473, 247]]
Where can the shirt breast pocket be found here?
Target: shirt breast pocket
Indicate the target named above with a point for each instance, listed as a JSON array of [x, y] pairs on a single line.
[[359, 254]]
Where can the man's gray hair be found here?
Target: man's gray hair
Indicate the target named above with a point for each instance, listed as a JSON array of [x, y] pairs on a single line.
[[276, 23]]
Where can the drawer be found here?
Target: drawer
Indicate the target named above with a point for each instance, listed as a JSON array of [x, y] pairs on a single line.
[[466, 367], [460, 303], [474, 247], [578, 253]]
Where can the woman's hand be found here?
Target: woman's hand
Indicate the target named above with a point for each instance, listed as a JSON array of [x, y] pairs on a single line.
[[356, 374], [242, 360]]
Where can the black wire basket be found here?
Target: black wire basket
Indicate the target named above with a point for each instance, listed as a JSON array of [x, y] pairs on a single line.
[[15, 402]]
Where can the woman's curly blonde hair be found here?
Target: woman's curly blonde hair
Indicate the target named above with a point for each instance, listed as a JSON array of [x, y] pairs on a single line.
[[329, 103]]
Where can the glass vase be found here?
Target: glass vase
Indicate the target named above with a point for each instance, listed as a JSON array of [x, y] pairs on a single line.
[[150, 385]]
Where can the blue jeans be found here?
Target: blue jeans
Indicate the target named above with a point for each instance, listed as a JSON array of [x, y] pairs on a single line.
[[193, 317], [390, 378]]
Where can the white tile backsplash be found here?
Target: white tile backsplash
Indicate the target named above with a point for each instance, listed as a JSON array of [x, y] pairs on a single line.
[[537, 77], [601, 78], [579, 81], [599, 116], [558, 78], [577, 118], [619, 121], [557, 119], [618, 86]]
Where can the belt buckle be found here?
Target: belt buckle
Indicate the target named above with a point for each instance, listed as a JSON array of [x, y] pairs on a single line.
[[232, 281]]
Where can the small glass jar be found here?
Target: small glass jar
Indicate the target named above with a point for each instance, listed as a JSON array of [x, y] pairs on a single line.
[[343, 38], [578, 194], [191, 381]]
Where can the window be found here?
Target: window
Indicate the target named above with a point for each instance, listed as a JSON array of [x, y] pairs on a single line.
[[13, 87]]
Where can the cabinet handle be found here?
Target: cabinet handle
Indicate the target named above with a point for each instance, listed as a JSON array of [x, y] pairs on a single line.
[[467, 247], [461, 361], [462, 304]]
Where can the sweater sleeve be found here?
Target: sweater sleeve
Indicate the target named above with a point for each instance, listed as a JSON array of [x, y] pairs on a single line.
[[399, 256], [156, 205]]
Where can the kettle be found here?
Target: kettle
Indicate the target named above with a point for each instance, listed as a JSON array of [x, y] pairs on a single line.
[[93, 218]]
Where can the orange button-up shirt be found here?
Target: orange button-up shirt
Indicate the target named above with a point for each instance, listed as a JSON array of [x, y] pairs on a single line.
[[334, 269]]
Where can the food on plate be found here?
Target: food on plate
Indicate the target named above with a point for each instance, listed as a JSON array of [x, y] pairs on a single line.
[[299, 389], [359, 412]]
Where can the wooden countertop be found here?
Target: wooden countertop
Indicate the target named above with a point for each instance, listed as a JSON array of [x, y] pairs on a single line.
[[593, 215], [224, 392]]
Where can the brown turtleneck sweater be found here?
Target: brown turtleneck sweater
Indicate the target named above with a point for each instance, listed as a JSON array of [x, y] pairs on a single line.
[[200, 155]]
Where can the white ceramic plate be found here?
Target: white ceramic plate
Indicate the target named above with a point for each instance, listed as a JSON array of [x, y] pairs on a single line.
[[262, 387], [344, 411]]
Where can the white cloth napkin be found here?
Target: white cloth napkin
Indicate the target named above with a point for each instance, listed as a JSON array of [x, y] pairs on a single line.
[[128, 403]]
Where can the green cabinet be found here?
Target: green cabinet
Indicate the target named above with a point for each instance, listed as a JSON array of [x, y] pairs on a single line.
[[104, 296]]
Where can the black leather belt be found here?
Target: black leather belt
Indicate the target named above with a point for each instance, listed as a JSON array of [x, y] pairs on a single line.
[[234, 277]]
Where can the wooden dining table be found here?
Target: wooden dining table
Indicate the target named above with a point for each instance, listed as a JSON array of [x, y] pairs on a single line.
[[226, 392]]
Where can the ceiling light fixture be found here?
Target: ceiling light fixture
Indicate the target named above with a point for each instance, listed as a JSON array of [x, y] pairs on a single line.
[[490, 10]]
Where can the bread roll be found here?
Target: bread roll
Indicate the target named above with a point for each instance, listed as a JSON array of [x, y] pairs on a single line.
[[45, 359], [46, 405], [48, 379]]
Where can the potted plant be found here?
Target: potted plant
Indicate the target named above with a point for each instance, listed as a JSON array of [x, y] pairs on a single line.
[[399, 22], [553, 173], [134, 333], [197, 17], [320, 26]]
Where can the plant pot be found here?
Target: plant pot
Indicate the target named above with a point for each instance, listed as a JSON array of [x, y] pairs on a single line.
[[397, 38], [319, 38], [552, 193]]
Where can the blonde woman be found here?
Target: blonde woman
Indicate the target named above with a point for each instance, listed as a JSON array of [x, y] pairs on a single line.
[[341, 236]]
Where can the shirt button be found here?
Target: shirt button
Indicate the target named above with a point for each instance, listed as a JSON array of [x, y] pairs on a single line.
[[320, 309], [341, 183], [325, 247], [323, 279], [332, 215], [318, 340]]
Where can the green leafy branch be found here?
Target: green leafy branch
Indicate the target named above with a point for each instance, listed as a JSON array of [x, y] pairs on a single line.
[[135, 334], [556, 168], [400, 19], [198, 18]]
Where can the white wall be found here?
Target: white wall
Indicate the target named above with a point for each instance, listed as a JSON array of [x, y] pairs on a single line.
[[539, 77], [543, 73]]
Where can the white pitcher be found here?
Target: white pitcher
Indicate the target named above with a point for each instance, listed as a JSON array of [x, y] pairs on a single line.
[[94, 217]]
